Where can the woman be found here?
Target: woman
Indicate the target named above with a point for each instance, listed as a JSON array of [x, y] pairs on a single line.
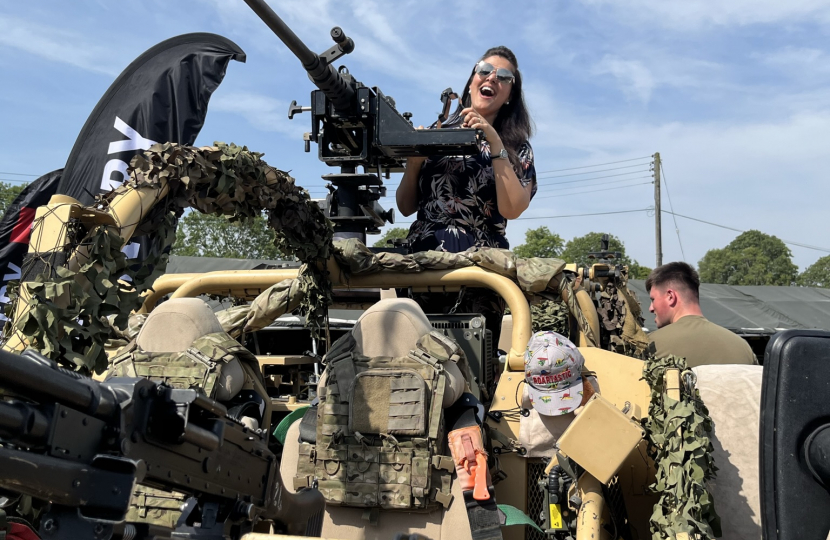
[[465, 201]]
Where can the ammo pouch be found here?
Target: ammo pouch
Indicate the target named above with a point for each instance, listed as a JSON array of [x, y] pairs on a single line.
[[380, 429], [198, 367]]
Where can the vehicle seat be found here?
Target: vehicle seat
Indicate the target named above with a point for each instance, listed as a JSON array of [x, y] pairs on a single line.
[[175, 325], [732, 393], [389, 328]]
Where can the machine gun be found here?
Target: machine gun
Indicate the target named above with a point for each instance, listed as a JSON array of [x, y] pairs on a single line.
[[82, 445], [358, 126]]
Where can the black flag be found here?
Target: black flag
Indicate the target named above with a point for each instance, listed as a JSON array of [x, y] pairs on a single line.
[[16, 226], [162, 96]]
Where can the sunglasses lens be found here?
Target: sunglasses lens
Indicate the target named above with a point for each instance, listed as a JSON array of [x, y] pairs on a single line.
[[504, 75], [484, 69]]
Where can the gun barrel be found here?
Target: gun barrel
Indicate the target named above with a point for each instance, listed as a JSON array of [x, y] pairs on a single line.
[[322, 74], [40, 378]]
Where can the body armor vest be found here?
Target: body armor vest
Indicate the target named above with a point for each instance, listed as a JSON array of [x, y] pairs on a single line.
[[198, 367], [381, 441]]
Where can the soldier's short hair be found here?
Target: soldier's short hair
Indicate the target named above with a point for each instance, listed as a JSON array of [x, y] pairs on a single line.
[[679, 274]]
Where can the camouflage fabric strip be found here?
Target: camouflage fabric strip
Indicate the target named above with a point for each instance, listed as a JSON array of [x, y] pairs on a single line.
[[534, 275], [679, 436]]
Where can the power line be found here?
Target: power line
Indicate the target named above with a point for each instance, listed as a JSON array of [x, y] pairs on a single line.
[[594, 190], [581, 180], [676, 228], [15, 180], [799, 244], [592, 172], [609, 182], [540, 190], [594, 178], [558, 217], [393, 187], [597, 165]]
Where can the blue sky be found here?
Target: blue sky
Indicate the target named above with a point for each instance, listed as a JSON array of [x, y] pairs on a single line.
[[732, 94]]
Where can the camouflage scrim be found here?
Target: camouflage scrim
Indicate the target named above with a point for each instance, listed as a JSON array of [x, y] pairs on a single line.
[[622, 319], [224, 180], [679, 436], [550, 316], [380, 430], [233, 181]]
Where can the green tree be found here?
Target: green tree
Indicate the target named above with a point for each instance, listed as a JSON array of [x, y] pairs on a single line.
[[391, 234], [8, 193], [753, 258], [638, 271], [203, 235], [817, 274], [577, 250], [540, 242]]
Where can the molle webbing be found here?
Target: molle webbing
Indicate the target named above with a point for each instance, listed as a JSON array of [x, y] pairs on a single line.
[[197, 367], [380, 429]]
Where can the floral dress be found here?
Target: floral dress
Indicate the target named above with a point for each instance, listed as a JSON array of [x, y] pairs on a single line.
[[457, 210], [457, 206]]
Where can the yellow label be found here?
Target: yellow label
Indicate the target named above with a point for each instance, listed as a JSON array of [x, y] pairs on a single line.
[[556, 517]]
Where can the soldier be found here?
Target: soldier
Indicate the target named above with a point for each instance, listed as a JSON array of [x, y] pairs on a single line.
[[682, 328]]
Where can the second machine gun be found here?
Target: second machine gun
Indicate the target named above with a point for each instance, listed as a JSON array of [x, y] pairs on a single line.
[[82, 445], [358, 126]]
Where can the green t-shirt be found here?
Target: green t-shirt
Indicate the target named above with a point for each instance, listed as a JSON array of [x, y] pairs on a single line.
[[701, 342]]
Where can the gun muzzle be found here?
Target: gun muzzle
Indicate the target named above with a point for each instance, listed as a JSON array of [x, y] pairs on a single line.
[[321, 73]]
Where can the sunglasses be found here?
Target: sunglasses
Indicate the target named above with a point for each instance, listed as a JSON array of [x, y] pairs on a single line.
[[484, 69]]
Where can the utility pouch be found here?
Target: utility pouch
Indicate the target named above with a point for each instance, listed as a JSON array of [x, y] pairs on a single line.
[[386, 401]]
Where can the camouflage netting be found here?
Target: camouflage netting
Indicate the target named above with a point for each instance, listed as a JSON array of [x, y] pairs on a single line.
[[71, 315], [550, 315], [68, 311], [621, 316], [678, 434]]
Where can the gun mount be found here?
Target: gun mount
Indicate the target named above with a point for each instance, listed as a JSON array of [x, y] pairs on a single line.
[[358, 126]]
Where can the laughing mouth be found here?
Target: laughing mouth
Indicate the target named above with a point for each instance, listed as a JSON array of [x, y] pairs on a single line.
[[487, 91]]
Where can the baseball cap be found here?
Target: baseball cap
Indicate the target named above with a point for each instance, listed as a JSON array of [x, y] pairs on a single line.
[[553, 373]]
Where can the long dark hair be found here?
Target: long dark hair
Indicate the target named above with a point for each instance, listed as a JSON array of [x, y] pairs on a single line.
[[513, 122]]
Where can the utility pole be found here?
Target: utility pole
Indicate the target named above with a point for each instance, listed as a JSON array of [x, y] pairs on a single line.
[[658, 233]]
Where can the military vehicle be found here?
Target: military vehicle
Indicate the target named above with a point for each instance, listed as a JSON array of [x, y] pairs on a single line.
[[239, 424]]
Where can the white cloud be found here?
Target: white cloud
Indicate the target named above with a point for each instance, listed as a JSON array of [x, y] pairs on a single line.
[[56, 45], [693, 14], [634, 78], [804, 63], [262, 112]]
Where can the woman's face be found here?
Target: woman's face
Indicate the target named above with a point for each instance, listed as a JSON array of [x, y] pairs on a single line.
[[488, 94]]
